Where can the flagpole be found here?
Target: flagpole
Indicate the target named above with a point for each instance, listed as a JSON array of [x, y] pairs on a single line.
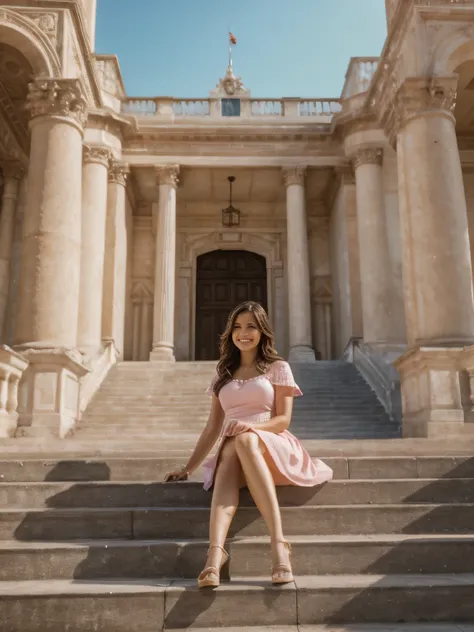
[[230, 47]]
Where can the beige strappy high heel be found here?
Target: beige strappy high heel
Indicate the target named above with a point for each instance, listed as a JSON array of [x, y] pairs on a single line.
[[211, 575], [282, 573]]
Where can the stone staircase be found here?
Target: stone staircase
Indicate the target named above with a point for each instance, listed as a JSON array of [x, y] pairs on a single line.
[[161, 404], [91, 540], [98, 545]]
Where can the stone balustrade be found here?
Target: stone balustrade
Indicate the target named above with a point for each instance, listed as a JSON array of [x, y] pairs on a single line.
[[359, 76], [12, 366], [253, 108]]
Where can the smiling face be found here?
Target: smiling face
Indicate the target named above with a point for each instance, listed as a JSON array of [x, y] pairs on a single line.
[[246, 335]]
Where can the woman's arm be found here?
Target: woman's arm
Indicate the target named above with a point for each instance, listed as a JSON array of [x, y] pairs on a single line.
[[284, 396], [208, 437]]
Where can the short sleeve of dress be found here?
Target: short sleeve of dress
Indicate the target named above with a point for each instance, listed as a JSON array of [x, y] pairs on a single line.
[[210, 388], [280, 374]]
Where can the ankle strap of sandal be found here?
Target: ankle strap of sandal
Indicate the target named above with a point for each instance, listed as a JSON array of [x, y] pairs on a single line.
[[286, 543], [216, 546]]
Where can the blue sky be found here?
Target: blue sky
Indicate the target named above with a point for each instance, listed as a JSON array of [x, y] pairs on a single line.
[[285, 47]]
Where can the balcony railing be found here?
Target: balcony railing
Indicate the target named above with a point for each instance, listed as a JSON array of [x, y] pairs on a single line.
[[166, 107], [359, 75]]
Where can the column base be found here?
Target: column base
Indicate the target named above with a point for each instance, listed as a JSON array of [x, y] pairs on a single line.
[[49, 393], [162, 354], [301, 353], [432, 405]]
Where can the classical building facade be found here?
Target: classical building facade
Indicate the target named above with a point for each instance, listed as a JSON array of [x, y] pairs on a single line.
[[350, 217]]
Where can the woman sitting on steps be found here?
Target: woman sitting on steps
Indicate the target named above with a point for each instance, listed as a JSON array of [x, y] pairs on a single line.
[[252, 401]]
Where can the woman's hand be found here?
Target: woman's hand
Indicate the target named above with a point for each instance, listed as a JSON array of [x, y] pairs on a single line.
[[236, 427], [178, 475]]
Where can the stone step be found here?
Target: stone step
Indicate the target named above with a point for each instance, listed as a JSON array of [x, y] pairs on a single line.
[[249, 557], [53, 448], [154, 494], [145, 441], [195, 423], [356, 627], [368, 627], [148, 409], [152, 468], [174, 522], [148, 606]]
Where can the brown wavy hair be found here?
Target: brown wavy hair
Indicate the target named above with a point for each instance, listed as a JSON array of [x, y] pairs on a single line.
[[230, 355]]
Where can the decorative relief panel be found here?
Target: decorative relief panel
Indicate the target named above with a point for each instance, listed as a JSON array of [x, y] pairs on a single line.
[[49, 24]]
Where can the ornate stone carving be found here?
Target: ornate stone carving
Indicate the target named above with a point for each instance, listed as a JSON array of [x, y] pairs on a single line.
[[51, 65], [96, 154], [294, 175], [230, 86], [168, 174], [118, 172], [48, 23], [420, 95], [58, 97], [368, 156]]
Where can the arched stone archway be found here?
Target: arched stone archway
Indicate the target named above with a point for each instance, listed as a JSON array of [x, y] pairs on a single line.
[[25, 54], [24, 35]]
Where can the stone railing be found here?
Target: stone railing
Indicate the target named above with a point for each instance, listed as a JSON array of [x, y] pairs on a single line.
[[319, 107], [359, 76], [378, 371], [99, 368], [167, 107], [266, 107], [12, 367]]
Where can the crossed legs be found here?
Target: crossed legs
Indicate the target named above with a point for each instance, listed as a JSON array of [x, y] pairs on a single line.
[[241, 462]]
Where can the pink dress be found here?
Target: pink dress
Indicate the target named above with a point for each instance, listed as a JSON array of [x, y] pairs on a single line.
[[253, 402]]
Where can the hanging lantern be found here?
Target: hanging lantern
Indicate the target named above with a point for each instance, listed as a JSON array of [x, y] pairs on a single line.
[[230, 215]]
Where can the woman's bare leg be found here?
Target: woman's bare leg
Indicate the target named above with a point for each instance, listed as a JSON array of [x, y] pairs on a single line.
[[262, 487], [225, 499]]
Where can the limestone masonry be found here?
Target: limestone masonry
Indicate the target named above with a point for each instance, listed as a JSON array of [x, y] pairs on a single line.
[[350, 218]]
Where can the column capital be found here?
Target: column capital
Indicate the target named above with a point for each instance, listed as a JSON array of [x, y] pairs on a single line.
[[294, 175], [422, 96], [118, 172], [167, 174], [96, 154], [367, 156], [58, 97]]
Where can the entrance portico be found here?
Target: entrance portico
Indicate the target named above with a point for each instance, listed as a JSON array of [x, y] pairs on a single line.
[[200, 195]]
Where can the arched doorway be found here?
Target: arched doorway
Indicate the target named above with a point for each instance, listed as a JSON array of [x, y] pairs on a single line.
[[224, 278]]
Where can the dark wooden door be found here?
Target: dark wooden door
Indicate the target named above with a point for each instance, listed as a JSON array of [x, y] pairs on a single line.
[[225, 278]]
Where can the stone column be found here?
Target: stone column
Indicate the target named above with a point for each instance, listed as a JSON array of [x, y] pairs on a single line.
[[374, 252], [136, 321], [51, 248], [12, 174], [11, 310], [437, 275], [94, 213], [115, 264], [299, 291], [48, 297], [144, 348], [165, 265]]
